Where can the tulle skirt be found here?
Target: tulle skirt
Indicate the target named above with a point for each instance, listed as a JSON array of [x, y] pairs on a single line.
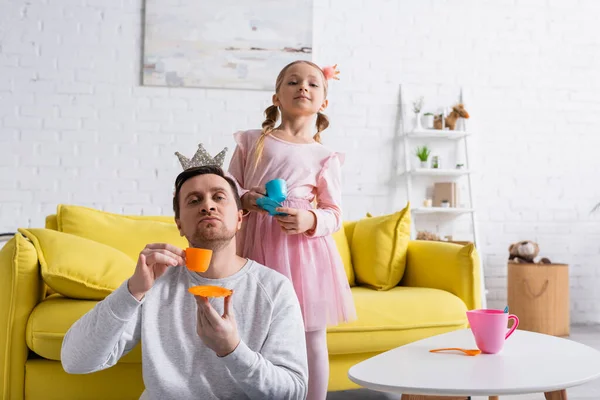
[[313, 264]]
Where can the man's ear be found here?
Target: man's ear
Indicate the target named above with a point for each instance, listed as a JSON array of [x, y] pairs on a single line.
[[178, 223], [276, 101], [324, 105], [240, 219]]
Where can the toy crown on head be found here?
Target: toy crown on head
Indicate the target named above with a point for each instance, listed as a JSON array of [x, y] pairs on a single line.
[[202, 158], [331, 72]]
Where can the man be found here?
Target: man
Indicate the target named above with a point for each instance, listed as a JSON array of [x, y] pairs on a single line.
[[249, 346]]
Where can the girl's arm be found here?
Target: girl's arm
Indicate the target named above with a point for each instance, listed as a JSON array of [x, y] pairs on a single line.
[[328, 213]]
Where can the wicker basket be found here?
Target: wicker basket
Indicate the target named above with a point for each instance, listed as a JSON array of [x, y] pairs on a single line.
[[539, 295]]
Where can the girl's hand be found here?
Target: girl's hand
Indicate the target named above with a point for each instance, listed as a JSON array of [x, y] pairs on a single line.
[[250, 197], [296, 221]]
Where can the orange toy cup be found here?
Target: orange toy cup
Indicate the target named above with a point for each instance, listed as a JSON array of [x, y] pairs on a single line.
[[197, 260]]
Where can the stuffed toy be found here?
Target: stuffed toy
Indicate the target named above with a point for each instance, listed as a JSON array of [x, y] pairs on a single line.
[[525, 252], [426, 235], [458, 111]]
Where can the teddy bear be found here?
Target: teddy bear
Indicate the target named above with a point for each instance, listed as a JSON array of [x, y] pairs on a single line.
[[426, 235], [526, 252]]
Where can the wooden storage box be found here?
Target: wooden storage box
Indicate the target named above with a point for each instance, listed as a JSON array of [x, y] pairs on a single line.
[[539, 295]]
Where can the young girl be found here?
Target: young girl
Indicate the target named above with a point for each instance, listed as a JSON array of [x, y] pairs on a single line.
[[299, 244]]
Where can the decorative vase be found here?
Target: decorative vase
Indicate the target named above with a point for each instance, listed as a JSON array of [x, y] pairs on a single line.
[[418, 126], [424, 164]]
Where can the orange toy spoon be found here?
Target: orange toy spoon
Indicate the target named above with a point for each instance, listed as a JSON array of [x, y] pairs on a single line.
[[467, 352]]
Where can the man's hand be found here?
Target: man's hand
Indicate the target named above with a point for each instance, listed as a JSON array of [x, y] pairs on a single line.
[[152, 263], [250, 197], [296, 221], [218, 332]]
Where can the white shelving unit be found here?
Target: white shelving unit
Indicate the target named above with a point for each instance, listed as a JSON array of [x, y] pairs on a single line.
[[442, 210], [438, 172], [411, 139], [437, 134]]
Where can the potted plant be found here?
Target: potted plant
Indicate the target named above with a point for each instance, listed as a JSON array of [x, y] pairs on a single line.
[[417, 107], [423, 153], [428, 120]]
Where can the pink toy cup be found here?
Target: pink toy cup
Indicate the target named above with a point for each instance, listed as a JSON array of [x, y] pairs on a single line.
[[489, 328]]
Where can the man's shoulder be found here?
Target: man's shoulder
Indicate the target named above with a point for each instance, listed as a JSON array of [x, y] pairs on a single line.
[[268, 274], [271, 281]]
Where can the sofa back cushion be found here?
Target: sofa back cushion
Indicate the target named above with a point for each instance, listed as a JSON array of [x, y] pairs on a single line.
[[445, 266], [126, 233], [343, 245], [52, 222], [378, 248]]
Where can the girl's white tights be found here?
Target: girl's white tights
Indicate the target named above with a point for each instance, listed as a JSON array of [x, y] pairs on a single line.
[[318, 364]]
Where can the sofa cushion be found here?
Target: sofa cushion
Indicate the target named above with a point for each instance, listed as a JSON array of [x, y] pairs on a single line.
[[395, 317], [50, 321], [343, 247], [378, 249], [127, 233], [77, 267]]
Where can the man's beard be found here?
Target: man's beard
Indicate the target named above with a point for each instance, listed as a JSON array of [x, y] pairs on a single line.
[[212, 239]]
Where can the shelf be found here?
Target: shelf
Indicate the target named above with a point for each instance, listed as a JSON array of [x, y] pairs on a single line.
[[437, 134], [439, 172], [441, 210]]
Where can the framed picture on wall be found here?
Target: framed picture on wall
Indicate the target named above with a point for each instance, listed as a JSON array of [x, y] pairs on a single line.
[[228, 44]]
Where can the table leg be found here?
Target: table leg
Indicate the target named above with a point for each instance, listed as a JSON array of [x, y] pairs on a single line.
[[557, 395]]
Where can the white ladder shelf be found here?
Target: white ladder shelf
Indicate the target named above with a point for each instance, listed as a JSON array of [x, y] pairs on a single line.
[[410, 137]]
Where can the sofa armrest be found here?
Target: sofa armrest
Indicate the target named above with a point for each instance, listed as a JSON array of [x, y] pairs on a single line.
[[446, 266], [21, 289]]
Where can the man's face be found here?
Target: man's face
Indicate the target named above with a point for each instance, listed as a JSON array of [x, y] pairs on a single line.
[[208, 216]]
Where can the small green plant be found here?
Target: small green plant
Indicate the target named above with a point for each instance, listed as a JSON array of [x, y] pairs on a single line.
[[423, 153], [428, 114]]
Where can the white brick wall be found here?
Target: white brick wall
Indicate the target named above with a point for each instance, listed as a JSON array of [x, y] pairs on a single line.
[[77, 127]]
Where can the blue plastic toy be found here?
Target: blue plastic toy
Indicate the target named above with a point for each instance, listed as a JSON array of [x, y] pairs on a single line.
[[276, 194]]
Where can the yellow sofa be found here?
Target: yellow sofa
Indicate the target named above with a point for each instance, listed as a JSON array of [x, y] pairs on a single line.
[[439, 282]]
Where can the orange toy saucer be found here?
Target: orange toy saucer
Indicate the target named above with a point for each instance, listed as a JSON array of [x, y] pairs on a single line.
[[210, 291]]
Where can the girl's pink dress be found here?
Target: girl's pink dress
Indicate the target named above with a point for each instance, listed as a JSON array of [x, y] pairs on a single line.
[[311, 260]]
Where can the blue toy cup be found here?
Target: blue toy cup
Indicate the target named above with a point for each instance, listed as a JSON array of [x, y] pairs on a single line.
[[277, 190]]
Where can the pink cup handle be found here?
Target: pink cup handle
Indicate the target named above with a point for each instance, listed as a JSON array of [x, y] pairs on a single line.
[[514, 325]]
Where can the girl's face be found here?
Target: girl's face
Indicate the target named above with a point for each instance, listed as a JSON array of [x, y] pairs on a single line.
[[302, 91]]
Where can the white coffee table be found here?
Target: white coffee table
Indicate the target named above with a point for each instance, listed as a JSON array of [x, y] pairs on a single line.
[[529, 363]]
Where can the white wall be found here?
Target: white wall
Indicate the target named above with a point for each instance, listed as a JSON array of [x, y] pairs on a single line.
[[77, 127]]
